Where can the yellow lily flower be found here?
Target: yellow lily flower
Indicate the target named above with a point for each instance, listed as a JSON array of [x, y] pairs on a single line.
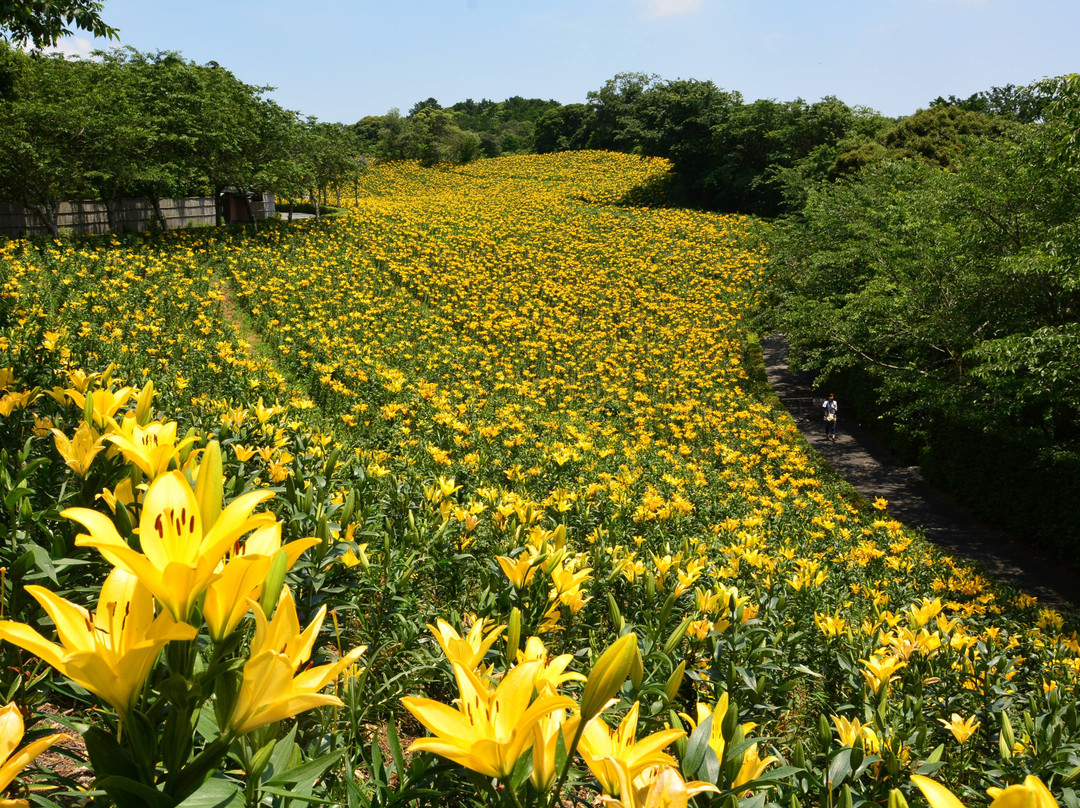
[[270, 689], [545, 744], [564, 579], [123, 493], [519, 571], [716, 735], [599, 745], [11, 732], [469, 650], [490, 729], [552, 675], [961, 728], [657, 788], [105, 402], [849, 731], [12, 401], [879, 671], [152, 448], [109, 653], [80, 451], [178, 557], [242, 576], [752, 766], [1033, 793]]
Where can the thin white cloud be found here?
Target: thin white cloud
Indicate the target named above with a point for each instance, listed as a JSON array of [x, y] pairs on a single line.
[[669, 8], [73, 47]]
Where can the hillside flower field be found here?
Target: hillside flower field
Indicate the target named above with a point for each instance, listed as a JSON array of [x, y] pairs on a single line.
[[473, 496]]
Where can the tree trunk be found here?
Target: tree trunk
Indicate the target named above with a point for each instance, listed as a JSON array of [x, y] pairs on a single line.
[[157, 211], [250, 212], [49, 214]]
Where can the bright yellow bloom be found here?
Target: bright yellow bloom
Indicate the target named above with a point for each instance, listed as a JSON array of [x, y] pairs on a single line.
[[831, 625], [661, 787], [470, 650], [229, 596], [752, 766], [178, 557], [1033, 793], [716, 735], [879, 671], [271, 690], [109, 653], [105, 403], [849, 731], [552, 675], [80, 451], [490, 729], [519, 571], [545, 745], [565, 580], [241, 578], [11, 732], [152, 448], [599, 745], [961, 728]]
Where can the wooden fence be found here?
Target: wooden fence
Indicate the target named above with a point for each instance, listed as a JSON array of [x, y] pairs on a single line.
[[84, 216]]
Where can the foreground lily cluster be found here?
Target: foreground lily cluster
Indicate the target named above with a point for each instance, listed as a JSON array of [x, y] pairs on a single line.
[[504, 429], [183, 564]]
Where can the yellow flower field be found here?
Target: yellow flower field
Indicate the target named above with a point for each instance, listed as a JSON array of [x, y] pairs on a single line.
[[517, 418]]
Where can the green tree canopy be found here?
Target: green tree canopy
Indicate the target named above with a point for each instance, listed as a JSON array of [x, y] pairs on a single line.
[[43, 22]]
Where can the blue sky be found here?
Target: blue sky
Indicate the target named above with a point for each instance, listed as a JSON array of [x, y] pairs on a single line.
[[342, 60]]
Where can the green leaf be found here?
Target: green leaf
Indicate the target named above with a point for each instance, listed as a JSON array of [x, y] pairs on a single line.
[[840, 768], [128, 793], [395, 747], [306, 773], [217, 792], [44, 562], [292, 795], [695, 748]]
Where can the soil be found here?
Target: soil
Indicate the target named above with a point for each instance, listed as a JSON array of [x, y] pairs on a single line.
[[874, 472]]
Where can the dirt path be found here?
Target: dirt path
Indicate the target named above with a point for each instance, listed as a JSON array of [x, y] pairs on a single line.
[[874, 472]]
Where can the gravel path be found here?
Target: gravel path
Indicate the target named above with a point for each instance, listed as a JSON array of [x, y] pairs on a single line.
[[874, 472]]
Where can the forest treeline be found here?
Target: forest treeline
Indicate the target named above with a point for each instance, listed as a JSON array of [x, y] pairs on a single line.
[[938, 292], [132, 124]]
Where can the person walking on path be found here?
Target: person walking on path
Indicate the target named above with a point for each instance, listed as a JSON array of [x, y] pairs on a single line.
[[830, 406]]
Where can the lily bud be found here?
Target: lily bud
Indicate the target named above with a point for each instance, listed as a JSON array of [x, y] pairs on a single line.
[[275, 579], [608, 674], [616, 616], [513, 635], [676, 636], [208, 485], [637, 669], [674, 682], [143, 404]]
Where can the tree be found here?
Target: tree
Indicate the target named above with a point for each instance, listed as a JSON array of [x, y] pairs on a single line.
[[937, 135], [612, 106], [46, 135], [946, 300], [327, 156], [1019, 104], [562, 129], [43, 22]]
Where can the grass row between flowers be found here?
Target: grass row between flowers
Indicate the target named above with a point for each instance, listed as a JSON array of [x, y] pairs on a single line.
[[498, 398]]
